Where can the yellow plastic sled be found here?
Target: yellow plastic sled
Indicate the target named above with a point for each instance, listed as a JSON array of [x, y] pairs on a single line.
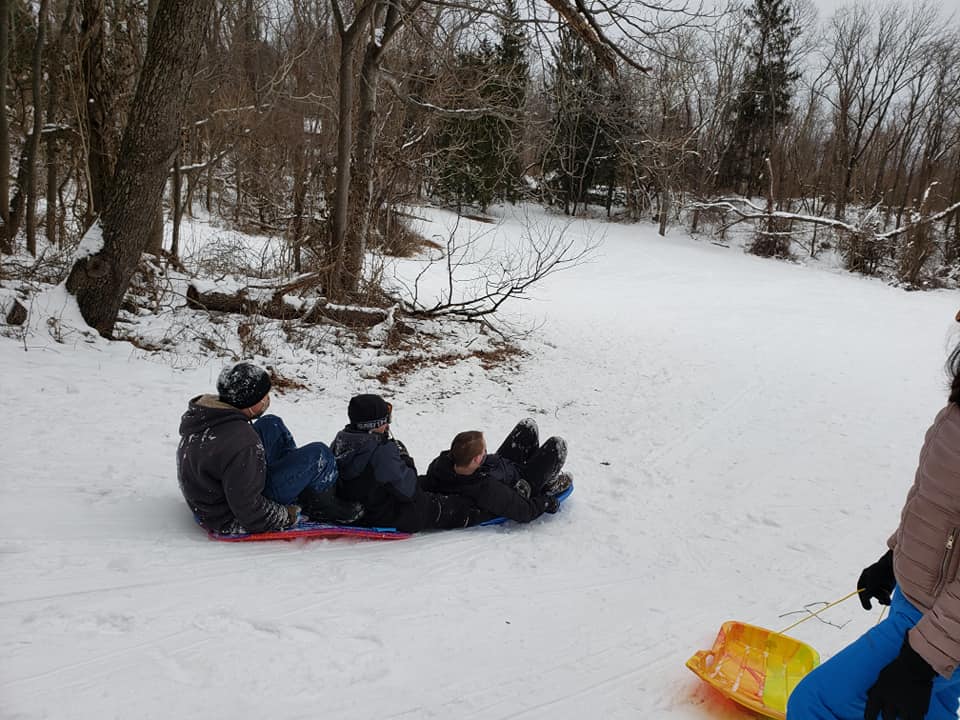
[[755, 667]]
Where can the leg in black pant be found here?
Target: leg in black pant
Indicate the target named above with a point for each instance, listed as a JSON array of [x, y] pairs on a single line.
[[522, 442], [452, 511], [433, 511], [545, 464]]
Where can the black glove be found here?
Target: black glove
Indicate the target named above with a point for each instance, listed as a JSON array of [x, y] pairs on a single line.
[[550, 504], [877, 581], [523, 488], [902, 689]]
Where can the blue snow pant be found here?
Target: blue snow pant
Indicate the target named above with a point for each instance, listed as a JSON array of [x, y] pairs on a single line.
[[290, 470], [837, 690]]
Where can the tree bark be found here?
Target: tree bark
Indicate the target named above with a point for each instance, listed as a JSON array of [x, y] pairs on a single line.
[[337, 285], [175, 193], [6, 240], [155, 244], [150, 142], [36, 69], [99, 153], [361, 190], [52, 148]]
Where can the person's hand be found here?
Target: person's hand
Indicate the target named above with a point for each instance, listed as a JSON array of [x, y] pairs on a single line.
[[293, 515], [522, 487], [902, 689], [550, 504], [877, 581]]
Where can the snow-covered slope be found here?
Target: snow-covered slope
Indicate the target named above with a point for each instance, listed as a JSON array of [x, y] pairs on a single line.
[[742, 433]]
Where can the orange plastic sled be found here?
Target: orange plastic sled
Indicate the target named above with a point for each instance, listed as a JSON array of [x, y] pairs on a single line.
[[755, 667]]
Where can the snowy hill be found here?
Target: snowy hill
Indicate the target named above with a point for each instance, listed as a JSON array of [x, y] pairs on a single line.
[[742, 432]]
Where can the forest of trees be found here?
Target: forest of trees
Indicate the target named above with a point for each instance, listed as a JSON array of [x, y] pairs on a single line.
[[317, 120]]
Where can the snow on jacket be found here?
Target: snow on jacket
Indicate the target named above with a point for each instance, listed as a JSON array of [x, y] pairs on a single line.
[[373, 472], [925, 546], [222, 468], [492, 487]]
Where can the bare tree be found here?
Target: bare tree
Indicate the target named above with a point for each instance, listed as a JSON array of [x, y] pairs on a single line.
[[874, 59], [34, 142], [100, 279], [6, 240]]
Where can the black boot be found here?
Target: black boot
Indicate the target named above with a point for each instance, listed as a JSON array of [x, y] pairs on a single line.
[[325, 506], [545, 464], [558, 484]]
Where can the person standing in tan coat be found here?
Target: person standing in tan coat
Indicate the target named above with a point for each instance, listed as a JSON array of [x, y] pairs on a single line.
[[904, 667]]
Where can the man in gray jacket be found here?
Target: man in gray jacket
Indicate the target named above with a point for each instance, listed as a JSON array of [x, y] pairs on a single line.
[[904, 667], [240, 470]]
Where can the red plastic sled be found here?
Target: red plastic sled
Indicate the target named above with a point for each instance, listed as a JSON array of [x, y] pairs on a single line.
[[308, 530]]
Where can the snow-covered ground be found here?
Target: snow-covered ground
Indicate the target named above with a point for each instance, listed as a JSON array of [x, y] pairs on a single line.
[[742, 432]]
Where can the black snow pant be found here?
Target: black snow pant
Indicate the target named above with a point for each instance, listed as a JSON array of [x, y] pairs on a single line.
[[432, 511]]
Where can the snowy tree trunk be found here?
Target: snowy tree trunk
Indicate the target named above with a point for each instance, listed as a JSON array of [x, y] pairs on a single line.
[[6, 244], [31, 190], [150, 142]]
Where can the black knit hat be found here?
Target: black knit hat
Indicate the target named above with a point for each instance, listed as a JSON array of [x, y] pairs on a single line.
[[368, 412], [243, 385]]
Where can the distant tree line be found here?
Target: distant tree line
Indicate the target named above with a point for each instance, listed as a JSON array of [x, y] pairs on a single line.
[[315, 120]]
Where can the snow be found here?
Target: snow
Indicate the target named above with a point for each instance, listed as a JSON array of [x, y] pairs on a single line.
[[742, 433], [91, 243]]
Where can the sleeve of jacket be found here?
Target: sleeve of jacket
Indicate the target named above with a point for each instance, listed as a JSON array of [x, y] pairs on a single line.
[[243, 486], [892, 540], [390, 471], [502, 500], [936, 638]]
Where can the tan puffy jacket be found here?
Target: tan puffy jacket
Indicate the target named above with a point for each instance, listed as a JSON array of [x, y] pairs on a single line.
[[926, 546]]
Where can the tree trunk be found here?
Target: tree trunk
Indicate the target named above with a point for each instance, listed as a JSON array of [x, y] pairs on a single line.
[[664, 211], [150, 142], [175, 193], [37, 69], [99, 154], [155, 244], [6, 240], [299, 195], [337, 285], [361, 185], [54, 236]]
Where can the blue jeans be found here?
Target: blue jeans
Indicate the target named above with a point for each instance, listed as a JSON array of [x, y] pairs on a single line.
[[837, 690], [290, 470]]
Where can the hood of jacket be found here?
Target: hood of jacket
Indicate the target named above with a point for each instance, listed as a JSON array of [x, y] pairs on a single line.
[[353, 449], [206, 412]]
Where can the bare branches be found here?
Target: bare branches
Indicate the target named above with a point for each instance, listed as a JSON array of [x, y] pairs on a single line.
[[450, 112], [480, 278], [585, 26]]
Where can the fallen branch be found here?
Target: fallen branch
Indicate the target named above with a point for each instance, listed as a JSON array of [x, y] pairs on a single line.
[[275, 301]]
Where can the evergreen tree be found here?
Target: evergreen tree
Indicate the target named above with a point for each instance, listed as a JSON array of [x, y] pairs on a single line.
[[582, 153], [514, 73], [763, 105], [479, 157]]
